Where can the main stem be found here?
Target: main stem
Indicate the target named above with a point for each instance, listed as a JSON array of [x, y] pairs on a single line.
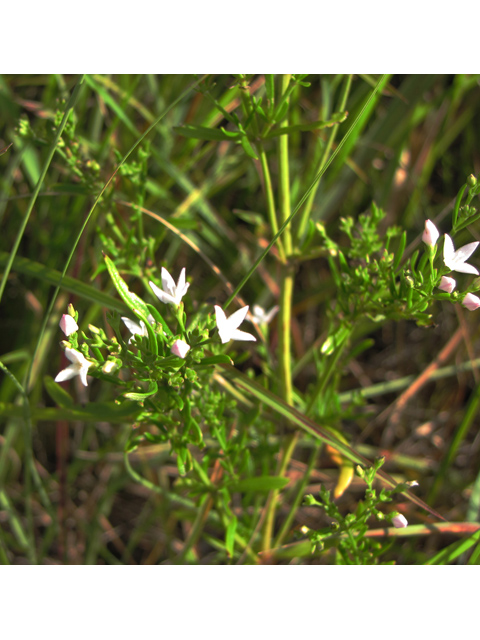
[[286, 292]]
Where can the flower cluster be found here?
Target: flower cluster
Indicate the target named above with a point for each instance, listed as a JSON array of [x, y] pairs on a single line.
[[454, 260], [170, 294]]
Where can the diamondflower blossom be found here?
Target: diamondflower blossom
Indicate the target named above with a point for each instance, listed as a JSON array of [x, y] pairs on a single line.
[[172, 293], [79, 367], [67, 324], [228, 327], [447, 284], [180, 348], [471, 302], [399, 521], [456, 260], [260, 316], [137, 329], [431, 234]]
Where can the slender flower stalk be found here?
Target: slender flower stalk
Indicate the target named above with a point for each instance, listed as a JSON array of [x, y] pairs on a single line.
[[172, 293], [79, 367], [456, 260]]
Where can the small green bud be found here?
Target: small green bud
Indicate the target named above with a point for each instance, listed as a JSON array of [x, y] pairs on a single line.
[[359, 471], [471, 181]]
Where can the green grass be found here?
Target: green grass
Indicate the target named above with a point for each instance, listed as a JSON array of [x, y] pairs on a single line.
[[181, 171]]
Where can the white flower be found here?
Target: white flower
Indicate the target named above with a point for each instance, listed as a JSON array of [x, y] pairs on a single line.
[[67, 324], [138, 329], [172, 293], [431, 234], [471, 302], [456, 260], [79, 367], [260, 316], [399, 521], [447, 284], [180, 348], [227, 327]]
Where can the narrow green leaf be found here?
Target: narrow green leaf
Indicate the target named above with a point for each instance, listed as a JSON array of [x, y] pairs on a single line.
[[57, 393], [230, 535], [133, 302], [336, 118], [219, 359], [293, 415], [260, 483], [206, 133], [51, 276], [247, 147], [453, 551], [152, 390]]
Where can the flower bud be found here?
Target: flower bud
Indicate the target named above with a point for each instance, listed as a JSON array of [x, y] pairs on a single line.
[[399, 521], [180, 348], [471, 302], [109, 366], [447, 284], [431, 234], [68, 325], [471, 181]]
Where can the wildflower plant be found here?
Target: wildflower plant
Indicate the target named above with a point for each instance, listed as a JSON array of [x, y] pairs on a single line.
[[226, 422]]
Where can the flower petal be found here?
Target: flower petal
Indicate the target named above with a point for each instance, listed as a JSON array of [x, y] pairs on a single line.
[[448, 250], [76, 357], [134, 327], [466, 251], [168, 282], [236, 334], [70, 372], [83, 376], [236, 319], [463, 267], [161, 295]]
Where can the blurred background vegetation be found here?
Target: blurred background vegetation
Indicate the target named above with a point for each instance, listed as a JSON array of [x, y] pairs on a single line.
[[410, 153]]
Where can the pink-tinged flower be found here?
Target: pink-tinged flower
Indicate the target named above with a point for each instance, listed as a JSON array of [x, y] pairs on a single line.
[[228, 327], [172, 293], [456, 260], [67, 324], [79, 367], [431, 234], [399, 521], [180, 348], [447, 284], [260, 316], [471, 302]]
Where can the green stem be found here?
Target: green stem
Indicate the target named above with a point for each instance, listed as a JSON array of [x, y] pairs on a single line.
[[333, 132], [284, 343], [322, 382], [270, 198]]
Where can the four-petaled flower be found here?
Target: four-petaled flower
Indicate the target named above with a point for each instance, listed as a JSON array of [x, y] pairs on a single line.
[[79, 367], [471, 302], [456, 260], [180, 348], [137, 329], [260, 316], [399, 521], [172, 293], [431, 234], [68, 325], [447, 284], [228, 327]]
